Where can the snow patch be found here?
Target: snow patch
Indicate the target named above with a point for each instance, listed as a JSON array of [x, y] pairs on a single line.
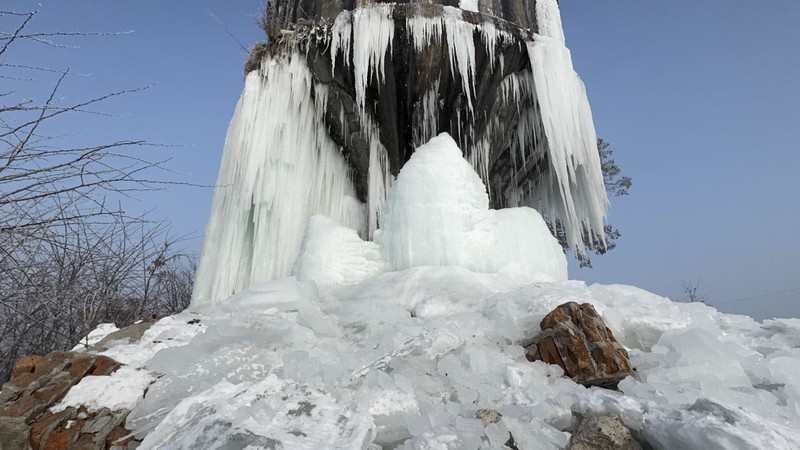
[[121, 390]]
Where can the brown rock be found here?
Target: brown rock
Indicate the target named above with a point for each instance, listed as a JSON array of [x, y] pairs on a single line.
[[34, 368], [81, 366], [104, 365], [25, 407], [26, 364], [46, 423], [64, 436], [574, 337]]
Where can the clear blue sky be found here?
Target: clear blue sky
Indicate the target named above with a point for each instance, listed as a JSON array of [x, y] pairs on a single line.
[[700, 101]]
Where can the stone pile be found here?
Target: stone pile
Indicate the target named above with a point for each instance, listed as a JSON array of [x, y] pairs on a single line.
[[40, 382]]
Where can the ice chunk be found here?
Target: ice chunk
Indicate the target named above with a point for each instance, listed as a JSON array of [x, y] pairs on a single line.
[[332, 255]]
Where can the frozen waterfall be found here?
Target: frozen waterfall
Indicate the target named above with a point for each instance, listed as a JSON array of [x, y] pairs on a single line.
[[328, 119]]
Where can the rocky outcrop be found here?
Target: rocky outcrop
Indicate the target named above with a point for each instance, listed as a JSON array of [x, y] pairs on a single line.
[[603, 433], [39, 382], [576, 338]]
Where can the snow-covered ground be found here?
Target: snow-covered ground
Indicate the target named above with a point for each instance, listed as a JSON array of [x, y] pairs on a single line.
[[399, 343]]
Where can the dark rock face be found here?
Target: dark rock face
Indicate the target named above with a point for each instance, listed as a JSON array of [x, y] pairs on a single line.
[[481, 121], [575, 337]]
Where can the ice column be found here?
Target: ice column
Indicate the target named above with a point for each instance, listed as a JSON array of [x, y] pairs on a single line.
[[574, 190], [279, 167]]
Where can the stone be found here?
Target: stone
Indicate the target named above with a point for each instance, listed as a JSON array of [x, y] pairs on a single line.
[[81, 366], [14, 433], [488, 416], [574, 337], [64, 436], [132, 333], [603, 433], [46, 423], [38, 368], [119, 438], [104, 365]]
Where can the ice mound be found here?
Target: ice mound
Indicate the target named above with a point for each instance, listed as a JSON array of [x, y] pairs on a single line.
[[409, 357], [437, 214], [332, 254]]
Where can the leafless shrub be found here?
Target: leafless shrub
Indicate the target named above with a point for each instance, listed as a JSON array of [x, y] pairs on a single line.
[[70, 256]]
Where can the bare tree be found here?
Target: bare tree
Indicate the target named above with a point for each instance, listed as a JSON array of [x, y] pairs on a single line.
[[691, 293], [70, 256]]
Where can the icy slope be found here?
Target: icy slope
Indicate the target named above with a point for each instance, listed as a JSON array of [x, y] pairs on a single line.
[[410, 356], [405, 358]]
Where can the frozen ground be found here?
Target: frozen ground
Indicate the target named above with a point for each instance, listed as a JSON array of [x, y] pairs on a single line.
[[407, 358], [371, 344]]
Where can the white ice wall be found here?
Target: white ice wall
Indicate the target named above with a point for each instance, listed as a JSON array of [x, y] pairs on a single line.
[[279, 167]]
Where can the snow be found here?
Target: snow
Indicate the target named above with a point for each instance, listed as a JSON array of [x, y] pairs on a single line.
[[95, 336], [269, 413], [120, 391], [468, 5]]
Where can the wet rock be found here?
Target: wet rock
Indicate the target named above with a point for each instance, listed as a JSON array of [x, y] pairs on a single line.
[[576, 338]]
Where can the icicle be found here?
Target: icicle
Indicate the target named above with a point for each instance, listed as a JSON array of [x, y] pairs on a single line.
[[428, 118], [491, 36], [373, 28], [379, 177], [279, 167], [461, 46], [574, 190], [341, 35], [424, 31]]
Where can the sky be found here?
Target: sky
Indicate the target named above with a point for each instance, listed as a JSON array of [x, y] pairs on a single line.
[[699, 100]]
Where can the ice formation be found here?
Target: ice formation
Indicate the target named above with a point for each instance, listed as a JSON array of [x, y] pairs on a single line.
[[281, 166], [438, 214], [405, 359], [362, 354]]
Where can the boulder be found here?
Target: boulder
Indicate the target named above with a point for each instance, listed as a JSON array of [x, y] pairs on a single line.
[[576, 338], [603, 433]]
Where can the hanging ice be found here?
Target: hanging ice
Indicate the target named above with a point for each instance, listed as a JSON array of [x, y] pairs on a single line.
[[279, 167]]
